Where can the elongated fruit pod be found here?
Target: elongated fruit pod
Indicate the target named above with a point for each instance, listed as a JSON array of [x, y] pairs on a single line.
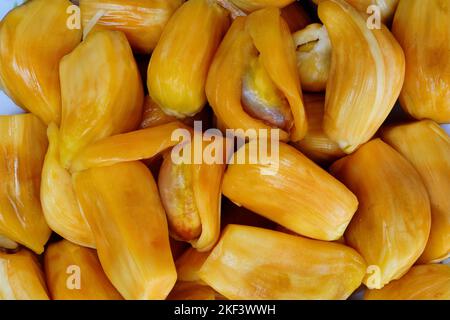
[[392, 224], [383, 10], [313, 57], [189, 263], [423, 30], [297, 194], [136, 145], [142, 21], [191, 194], [253, 5], [189, 40], [191, 291], [255, 263], [59, 204], [366, 75], [427, 147], [108, 103], [253, 82], [75, 273], [23, 143], [28, 69], [122, 206], [423, 282], [316, 145], [21, 277]]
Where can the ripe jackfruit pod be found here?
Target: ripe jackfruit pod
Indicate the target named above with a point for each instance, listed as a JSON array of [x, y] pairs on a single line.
[[94, 107], [316, 145], [253, 5], [136, 145], [191, 291], [59, 204], [255, 263], [383, 9], [189, 41], [427, 147], [122, 205], [366, 75], [189, 263], [75, 273], [313, 57], [21, 277], [29, 71], [298, 195], [423, 30], [424, 282], [392, 224], [191, 195], [142, 21], [253, 82], [23, 143]]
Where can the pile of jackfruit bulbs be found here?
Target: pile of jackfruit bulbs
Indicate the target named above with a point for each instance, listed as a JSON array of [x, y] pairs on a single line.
[[93, 205]]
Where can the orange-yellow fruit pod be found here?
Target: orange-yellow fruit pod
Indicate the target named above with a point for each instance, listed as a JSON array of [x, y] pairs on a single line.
[[142, 21], [366, 75], [59, 204], [23, 143], [313, 57], [423, 30], [253, 82], [189, 263], [295, 16], [252, 5], [122, 206], [131, 146], [423, 282], [392, 224], [191, 291], [180, 62], [28, 67], [21, 277], [101, 92], [383, 9], [427, 146], [316, 145], [297, 194], [255, 263], [191, 193], [75, 273]]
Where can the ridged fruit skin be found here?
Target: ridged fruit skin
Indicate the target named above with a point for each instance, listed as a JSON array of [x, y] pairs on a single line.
[[316, 145], [427, 146], [191, 196], [60, 258], [366, 75], [23, 143], [132, 146], [142, 21], [263, 31], [95, 107], [189, 41], [28, 67], [422, 282], [392, 224], [122, 206], [253, 5], [423, 30], [60, 204], [255, 263], [313, 57], [300, 195], [21, 277]]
